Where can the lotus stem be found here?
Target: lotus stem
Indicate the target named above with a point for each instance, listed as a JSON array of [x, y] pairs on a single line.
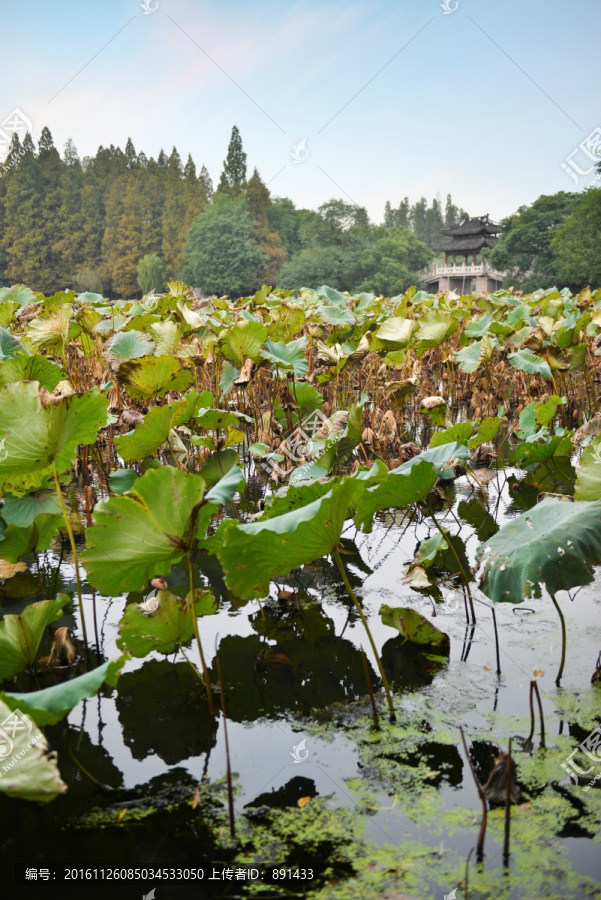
[[563, 639], [353, 596], [540, 712], [61, 500], [482, 834], [374, 711], [205, 671], [230, 792], [507, 807]]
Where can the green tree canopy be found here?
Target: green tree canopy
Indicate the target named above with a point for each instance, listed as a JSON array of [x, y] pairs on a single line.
[[576, 245], [151, 273], [524, 249], [221, 252]]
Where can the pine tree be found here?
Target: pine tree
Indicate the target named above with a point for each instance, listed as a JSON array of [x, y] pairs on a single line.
[[403, 215], [258, 201], [389, 215], [233, 177], [207, 182], [130, 154]]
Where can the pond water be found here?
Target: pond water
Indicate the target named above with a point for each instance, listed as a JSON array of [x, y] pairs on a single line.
[[297, 721]]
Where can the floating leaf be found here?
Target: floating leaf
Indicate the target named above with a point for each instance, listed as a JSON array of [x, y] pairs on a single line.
[[170, 626], [414, 627], [9, 346]]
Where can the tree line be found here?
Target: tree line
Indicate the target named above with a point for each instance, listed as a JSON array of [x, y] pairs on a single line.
[[121, 223]]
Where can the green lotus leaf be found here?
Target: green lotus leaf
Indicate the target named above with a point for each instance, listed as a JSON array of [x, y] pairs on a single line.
[[20, 636], [141, 534], [433, 329], [38, 436], [29, 771], [50, 705], [31, 368], [19, 540], [469, 358], [9, 345], [588, 474], [122, 480], [126, 345], [527, 361], [168, 336], [153, 376], [7, 311], [252, 553], [414, 627], [243, 341], [166, 627], [335, 315], [53, 329], [461, 433], [229, 373], [555, 544], [439, 457], [530, 452], [19, 294], [153, 432], [398, 488], [396, 330], [22, 511], [287, 357], [479, 327], [487, 431]]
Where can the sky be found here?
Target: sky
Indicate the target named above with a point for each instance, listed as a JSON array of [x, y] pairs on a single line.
[[365, 100]]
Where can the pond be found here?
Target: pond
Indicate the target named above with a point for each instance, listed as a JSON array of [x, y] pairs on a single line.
[[315, 784]]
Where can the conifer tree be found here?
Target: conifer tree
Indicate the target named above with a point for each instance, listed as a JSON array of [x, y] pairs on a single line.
[[233, 177]]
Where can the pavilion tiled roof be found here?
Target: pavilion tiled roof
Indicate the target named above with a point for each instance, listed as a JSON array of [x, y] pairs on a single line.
[[477, 225]]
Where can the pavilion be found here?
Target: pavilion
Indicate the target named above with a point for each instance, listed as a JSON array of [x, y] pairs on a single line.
[[467, 240]]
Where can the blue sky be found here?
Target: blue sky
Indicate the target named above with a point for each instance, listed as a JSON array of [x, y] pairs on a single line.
[[392, 98]]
